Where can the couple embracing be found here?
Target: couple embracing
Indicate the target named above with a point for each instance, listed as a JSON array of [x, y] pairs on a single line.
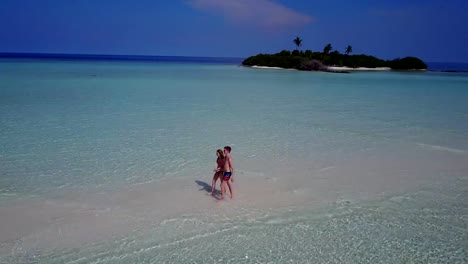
[[224, 171]]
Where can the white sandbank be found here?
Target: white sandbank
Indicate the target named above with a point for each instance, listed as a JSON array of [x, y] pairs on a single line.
[[70, 218]]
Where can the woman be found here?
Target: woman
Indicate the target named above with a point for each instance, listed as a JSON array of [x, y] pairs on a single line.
[[219, 169]]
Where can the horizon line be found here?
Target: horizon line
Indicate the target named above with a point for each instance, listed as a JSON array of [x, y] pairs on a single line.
[[26, 54], [33, 55]]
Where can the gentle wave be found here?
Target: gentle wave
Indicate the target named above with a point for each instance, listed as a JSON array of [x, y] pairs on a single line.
[[442, 148]]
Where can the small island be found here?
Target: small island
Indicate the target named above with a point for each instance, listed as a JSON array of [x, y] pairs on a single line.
[[330, 61]]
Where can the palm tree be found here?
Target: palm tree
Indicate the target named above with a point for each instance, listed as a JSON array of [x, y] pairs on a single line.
[[298, 42], [349, 49], [327, 49]]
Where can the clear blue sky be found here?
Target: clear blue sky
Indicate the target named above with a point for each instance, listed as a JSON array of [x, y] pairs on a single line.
[[434, 30]]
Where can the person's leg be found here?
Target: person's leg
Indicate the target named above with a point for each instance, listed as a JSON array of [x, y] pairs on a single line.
[[229, 184], [213, 182], [223, 188]]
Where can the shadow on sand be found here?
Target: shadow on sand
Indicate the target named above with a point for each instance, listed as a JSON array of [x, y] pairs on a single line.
[[204, 186], [207, 188]]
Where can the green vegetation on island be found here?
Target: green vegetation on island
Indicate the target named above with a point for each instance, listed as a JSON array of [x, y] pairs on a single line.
[[308, 60]]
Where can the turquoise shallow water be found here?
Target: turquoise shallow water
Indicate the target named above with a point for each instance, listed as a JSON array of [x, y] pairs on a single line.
[[375, 163]]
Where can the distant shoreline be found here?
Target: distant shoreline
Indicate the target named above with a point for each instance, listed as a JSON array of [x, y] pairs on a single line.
[[334, 69], [359, 69], [267, 67]]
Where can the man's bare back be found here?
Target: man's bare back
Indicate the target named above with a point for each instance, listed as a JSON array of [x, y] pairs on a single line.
[[228, 164]]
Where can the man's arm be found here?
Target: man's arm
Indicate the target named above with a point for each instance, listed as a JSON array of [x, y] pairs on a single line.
[[231, 165], [232, 168]]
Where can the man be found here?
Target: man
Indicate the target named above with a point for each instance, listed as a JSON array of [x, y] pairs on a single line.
[[227, 179]]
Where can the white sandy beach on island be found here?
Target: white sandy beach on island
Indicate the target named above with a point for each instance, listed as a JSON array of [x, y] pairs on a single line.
[[271, 68], [336, 68], [331, 68]]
